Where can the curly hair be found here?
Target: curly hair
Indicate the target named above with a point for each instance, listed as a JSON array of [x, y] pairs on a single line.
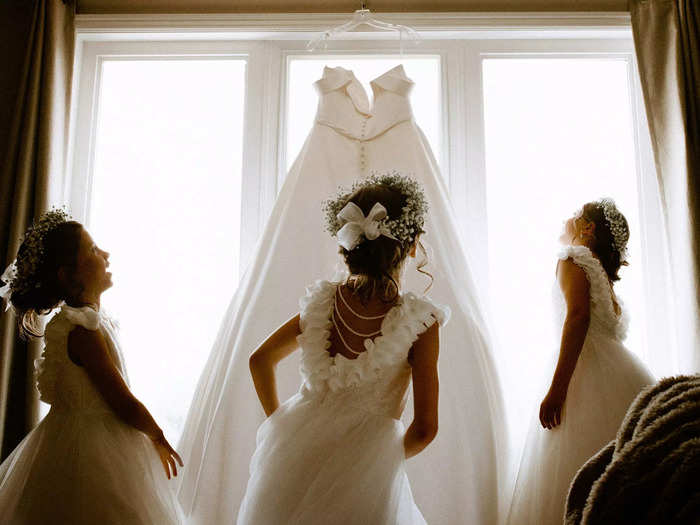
[[60, 248]]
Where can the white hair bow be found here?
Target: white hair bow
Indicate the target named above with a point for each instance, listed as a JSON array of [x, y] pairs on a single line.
[[356, 225]]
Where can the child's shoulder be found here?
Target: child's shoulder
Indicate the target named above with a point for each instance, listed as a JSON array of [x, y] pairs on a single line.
[[423, 310], [319, 291]]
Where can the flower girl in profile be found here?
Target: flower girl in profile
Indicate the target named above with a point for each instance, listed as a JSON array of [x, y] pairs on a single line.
[[98, 457], [596, 377], [335, 451]]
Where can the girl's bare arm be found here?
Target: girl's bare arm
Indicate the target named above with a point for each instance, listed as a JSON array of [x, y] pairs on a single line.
[[263, 362]]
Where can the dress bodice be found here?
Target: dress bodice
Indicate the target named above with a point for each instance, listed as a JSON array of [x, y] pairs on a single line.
[[604, 320], [61, 382], [376, 380], [344, 106]]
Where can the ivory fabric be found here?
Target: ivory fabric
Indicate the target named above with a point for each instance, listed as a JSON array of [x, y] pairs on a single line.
[[456, 479]]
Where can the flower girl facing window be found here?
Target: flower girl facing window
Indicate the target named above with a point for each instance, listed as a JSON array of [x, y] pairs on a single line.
[[595, 378], [335, 451], [98, 456]]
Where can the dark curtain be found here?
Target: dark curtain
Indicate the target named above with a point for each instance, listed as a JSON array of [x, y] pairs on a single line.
[[667, 43], [35, 77]]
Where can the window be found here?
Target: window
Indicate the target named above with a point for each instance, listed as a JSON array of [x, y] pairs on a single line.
[[166, 204], [559, 133], [183, 138]]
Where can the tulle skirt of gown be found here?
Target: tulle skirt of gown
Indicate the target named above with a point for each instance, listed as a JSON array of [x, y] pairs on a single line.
[[85, 468], [319, 462], [606, 380]]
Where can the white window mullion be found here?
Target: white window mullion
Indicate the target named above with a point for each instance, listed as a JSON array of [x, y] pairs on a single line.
[[78, 183], [471, 186], [260, 145]]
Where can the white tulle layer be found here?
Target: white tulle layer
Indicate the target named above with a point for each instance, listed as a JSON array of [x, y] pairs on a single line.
[[606, 380], [317, 463], [87, 468]]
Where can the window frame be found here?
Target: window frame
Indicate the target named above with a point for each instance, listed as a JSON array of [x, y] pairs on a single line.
[[269, 42]]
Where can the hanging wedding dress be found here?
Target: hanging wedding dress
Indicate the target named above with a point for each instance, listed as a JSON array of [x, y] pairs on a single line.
[[455, 480]]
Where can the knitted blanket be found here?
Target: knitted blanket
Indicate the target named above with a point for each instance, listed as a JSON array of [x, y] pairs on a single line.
[[650, 474]]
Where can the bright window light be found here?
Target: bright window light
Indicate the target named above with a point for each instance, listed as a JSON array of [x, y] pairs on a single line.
[[425, 95], [559, 133], [166, 204]]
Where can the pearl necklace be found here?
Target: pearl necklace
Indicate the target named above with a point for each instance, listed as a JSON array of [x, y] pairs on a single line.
[[336, 313], [353, 312]]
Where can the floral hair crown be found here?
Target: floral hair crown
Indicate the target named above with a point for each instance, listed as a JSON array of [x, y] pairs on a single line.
[[19, 275], [617, 224], [404, 228]]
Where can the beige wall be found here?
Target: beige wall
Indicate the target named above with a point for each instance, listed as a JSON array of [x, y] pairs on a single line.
[[242, 6]]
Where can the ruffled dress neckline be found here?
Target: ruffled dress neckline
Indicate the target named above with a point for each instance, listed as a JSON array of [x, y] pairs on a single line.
[[399, 329], [601, 295]]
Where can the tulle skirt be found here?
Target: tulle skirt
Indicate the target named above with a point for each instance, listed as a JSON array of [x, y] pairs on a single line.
[[605, 381], [322, 462], [85, 468]]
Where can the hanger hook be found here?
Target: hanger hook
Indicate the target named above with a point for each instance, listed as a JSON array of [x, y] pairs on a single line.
[[364, 5]]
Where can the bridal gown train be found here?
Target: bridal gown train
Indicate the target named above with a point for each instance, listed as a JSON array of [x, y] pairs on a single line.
[[605, 381], [455, 480]]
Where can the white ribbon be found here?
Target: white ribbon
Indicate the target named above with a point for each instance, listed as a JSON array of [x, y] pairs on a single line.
[[356, 225]]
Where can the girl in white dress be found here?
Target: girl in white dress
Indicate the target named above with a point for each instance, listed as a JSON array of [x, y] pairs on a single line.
[[98, 456], [596, 377], [335, 452]]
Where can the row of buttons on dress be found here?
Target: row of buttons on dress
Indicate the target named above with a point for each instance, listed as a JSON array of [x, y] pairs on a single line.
[[363, 158]]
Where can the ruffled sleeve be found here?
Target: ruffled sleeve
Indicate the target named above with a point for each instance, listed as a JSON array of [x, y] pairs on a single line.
[[421, 313], [84, 316], [597, 278], [55, 356], [600, 296], [315, 324]]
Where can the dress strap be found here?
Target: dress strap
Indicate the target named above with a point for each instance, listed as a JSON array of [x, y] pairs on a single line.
[[601, 293]]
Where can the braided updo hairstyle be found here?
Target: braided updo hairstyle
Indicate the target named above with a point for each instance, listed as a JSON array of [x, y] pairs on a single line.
[[604, 242], [60, 248], [373, 264]]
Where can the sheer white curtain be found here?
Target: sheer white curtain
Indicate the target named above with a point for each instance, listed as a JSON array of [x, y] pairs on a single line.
[[666, 38]]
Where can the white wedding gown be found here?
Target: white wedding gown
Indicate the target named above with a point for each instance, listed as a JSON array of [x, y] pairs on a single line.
[[333, 453], [605, 381], [455, 480], [82, 465]]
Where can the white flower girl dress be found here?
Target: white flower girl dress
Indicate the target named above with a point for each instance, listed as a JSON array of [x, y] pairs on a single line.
[[605, 381], [82, 464], [333, 453]]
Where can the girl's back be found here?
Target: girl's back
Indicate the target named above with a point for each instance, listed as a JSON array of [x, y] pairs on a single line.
[[335, 449]]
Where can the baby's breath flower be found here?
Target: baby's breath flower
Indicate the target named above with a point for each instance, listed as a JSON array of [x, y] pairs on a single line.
[[617, 224], [406, 227], [20, 275]]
